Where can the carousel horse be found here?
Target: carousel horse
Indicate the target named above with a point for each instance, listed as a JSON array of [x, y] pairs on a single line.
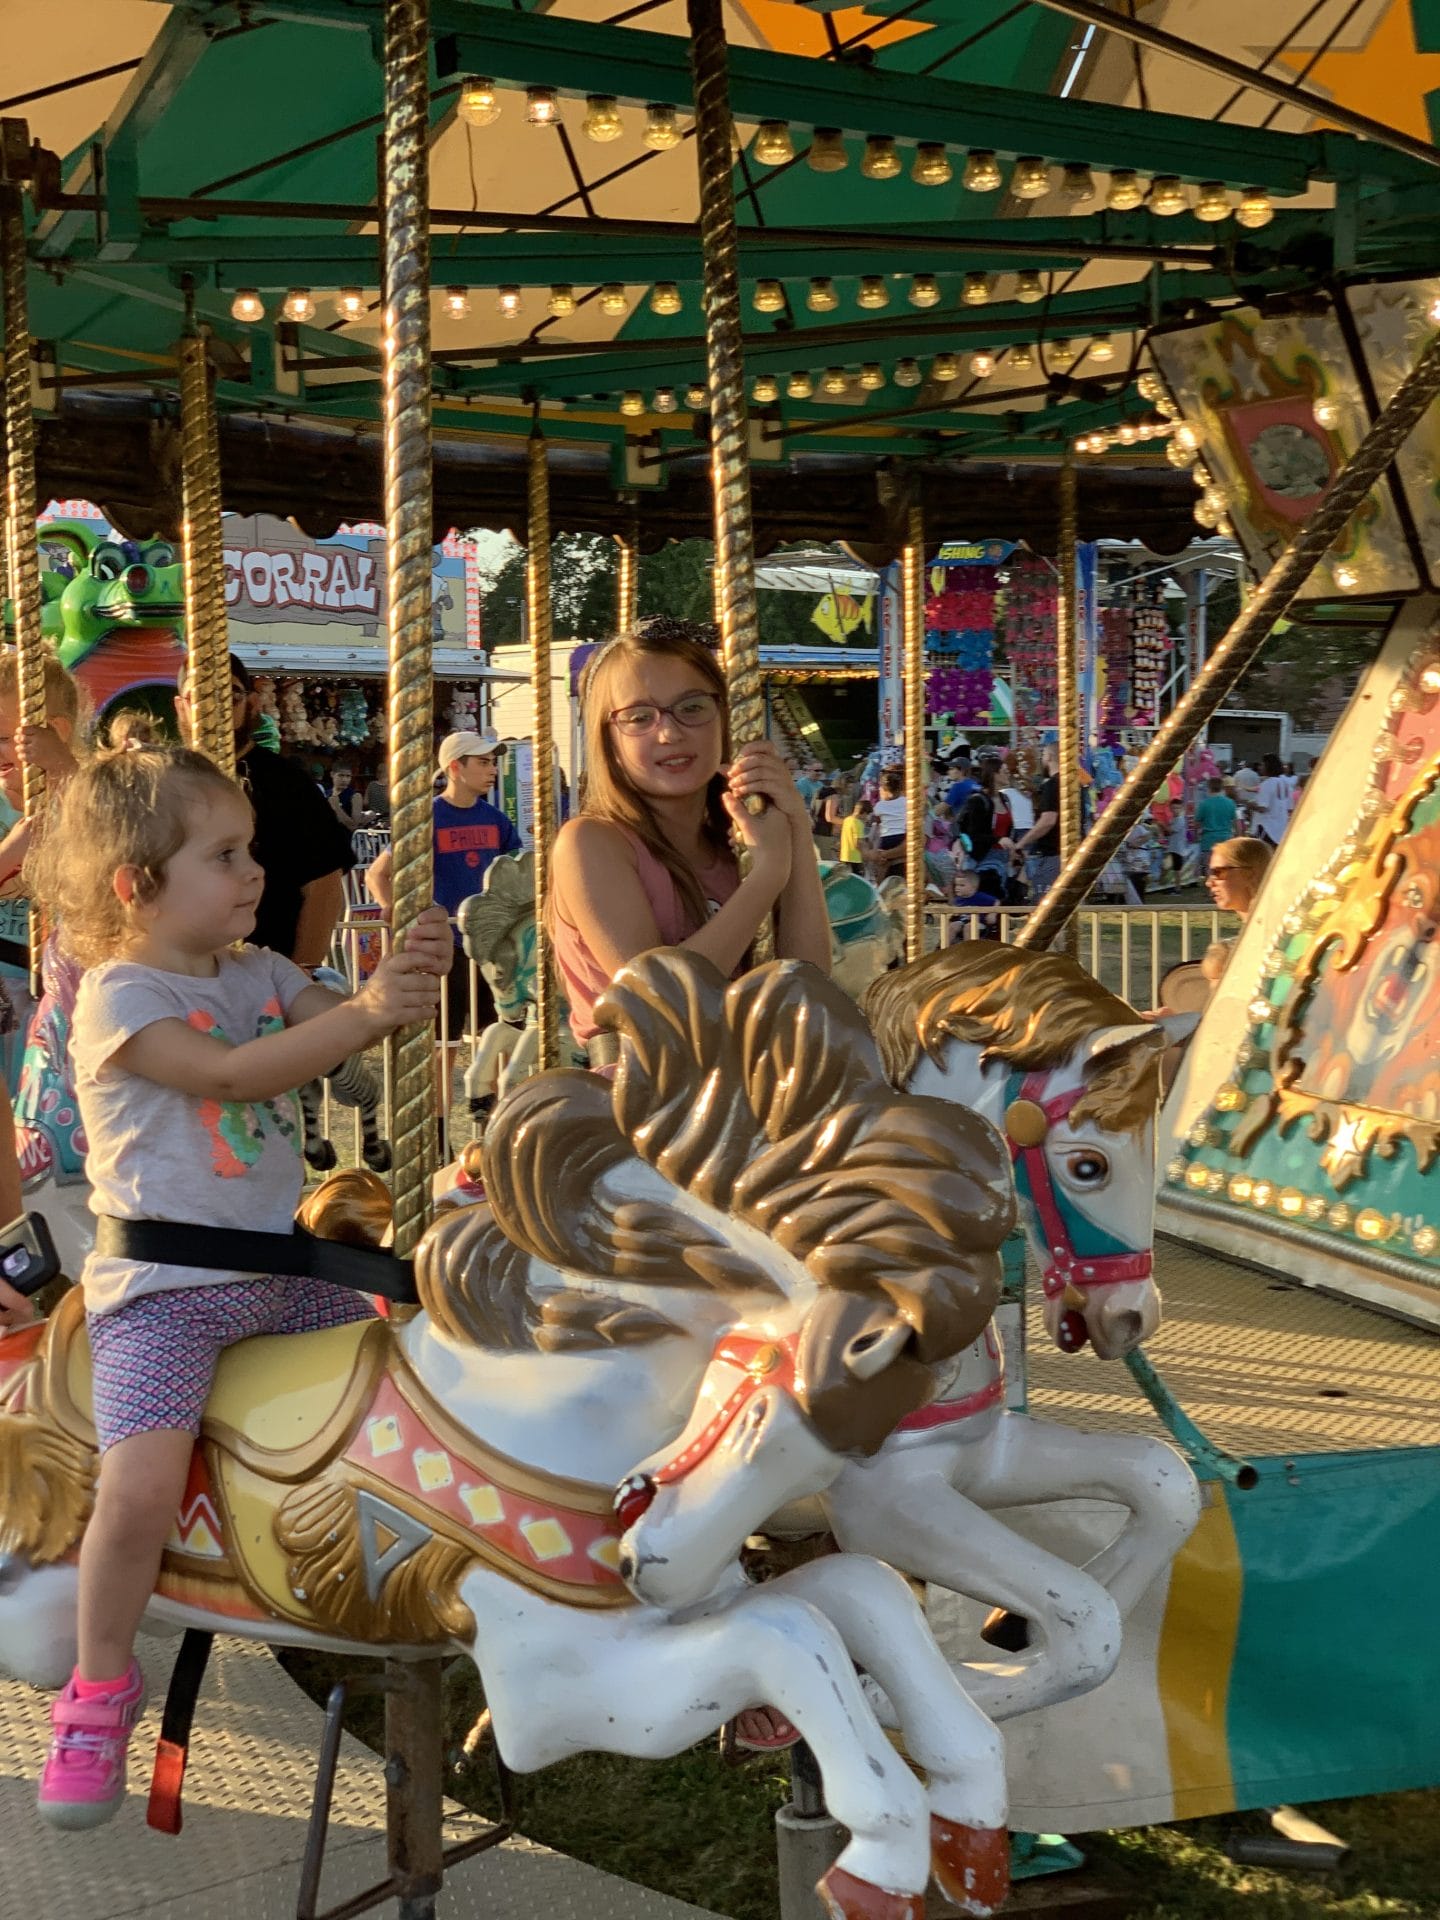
[[690, 1298], [498, 928]]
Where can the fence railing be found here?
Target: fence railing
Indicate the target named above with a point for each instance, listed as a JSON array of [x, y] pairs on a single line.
[[1128, 949]]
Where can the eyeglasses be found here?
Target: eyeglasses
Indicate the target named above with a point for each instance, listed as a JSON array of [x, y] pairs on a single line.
[[695, 710]]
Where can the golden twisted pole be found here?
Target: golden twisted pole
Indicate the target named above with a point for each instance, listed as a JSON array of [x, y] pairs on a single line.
[[627, 575], [1235, 653], [21, 509], [912, 594], [736, 610], [207, 627], [1067, 678], [542, 733], [409, 537]]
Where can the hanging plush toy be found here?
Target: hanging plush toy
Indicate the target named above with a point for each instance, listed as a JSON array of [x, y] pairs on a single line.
[[354, 719], [295, 728], [462, 710]]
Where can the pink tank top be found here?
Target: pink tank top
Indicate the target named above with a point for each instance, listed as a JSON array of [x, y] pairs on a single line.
[[585, 979]]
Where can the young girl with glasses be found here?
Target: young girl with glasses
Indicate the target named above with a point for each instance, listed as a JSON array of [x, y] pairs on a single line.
[[650, 860]]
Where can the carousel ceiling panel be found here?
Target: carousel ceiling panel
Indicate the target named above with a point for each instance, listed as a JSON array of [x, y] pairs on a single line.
[[43, 61]]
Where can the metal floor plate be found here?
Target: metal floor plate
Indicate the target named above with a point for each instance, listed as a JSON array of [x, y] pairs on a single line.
[[247, 1795], [1262, 1366]]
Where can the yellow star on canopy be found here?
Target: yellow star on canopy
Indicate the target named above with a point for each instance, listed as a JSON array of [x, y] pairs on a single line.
[[1388, 78], [786, 28]]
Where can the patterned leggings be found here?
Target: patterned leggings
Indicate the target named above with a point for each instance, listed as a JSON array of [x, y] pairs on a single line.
[[155, 1358]]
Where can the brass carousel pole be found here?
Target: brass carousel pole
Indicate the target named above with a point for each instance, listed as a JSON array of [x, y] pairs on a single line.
[[21, 506], [1239, 648], [912, 574], [1066, 676], [627, 575], [207, 627], [542, 736], [409, 534], [735, 603]]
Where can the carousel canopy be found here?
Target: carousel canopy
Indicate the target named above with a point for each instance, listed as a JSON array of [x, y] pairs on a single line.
[[960, 220]]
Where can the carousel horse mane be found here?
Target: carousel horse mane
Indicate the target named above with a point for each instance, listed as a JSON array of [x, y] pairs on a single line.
[[1028, 1011], [506, 901], [765, 1100]]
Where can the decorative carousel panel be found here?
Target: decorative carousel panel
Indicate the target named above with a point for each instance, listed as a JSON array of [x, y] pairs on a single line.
[[1275, 409], [1394, 322], [1304, 1130]]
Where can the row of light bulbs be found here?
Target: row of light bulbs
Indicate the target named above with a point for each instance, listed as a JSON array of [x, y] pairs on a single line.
[[1032, 177], [300, 304]]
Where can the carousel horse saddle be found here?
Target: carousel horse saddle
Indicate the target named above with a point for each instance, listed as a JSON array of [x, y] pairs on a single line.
[[328, 1490]]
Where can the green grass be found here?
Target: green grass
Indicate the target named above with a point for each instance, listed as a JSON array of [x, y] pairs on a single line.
[[704, 1833]]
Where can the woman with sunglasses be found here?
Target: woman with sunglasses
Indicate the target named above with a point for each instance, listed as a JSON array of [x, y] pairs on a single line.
[[1234, 874], [650, 861]]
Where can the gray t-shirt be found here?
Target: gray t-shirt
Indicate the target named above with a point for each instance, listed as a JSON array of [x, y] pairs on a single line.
[[159, 1154]]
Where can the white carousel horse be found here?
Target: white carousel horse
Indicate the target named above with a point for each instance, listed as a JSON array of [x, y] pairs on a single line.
[[710, 1284], [1070, 1077]]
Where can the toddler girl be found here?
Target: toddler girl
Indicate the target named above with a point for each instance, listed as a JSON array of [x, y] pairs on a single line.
[[187, 1048]]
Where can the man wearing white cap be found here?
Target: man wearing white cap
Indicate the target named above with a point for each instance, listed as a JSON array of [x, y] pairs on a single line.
[[469, 833]]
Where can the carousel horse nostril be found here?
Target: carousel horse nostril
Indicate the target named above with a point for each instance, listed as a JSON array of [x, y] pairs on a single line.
[[627, 1564], [12, 1571]]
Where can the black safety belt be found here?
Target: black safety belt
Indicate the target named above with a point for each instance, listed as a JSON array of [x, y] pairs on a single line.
[[173, 1243]]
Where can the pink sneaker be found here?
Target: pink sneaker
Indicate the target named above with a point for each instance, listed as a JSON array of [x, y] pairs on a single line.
[[83, 1780]]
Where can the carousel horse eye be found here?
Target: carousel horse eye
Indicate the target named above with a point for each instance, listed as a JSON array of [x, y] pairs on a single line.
[[1088, 1168], [633, 1498]]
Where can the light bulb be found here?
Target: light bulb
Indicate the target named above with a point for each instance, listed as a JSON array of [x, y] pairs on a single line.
[[1061, 354], [1021, 357], [542, 109], [1031, 178], [247, 305], [1029, 288], [800, 386], [907, 373], [632, 403], [874, 293], [1254, 209], [507, 301], [1177, 455], [1082, 445], [924, 290], [1346, 578], [298, 304], [872, 376], [1327, 413], [664, 400], [772, 145], [603, 119], [976, 290], [1212, 202], [349, 303], [835, 381], [479, 101], [1103, 348], [697, 396], [1187, 437], [665, 297], [1077, 184], [1127, 433], [561, 301], [880, 161], [1125, 190], [1167, 408], [945, 367], [982, 363], [827, 151], [457, 303], [1205, 514], [612, 298], [1167, 196], [768, 297], [931, 167], [982, 172], [662, 129], [822, 297], [766, 390], [1148, 386]]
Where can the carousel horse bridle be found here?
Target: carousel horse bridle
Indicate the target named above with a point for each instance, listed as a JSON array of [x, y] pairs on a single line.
[[1080, 1255]]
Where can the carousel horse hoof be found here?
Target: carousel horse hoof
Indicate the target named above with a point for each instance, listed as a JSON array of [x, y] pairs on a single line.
[[378, 1158], [971, 1865], [846, 1898], [1010, 1632], [321, 1156]]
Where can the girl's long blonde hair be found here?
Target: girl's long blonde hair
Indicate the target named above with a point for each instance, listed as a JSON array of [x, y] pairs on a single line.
[[608, 794], [130, 808]]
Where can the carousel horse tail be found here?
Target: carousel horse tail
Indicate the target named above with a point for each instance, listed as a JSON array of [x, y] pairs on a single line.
[[319, 1153], [354, 1083]]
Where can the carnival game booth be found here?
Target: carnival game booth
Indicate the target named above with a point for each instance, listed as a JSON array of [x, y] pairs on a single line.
[[1093, 284]]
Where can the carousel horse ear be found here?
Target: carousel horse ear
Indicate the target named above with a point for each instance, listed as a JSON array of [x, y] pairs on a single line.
[[1106, 1044], [1177, 1027]]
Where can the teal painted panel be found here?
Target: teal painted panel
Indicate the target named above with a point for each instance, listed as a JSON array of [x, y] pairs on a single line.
[[1337, 1666]]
